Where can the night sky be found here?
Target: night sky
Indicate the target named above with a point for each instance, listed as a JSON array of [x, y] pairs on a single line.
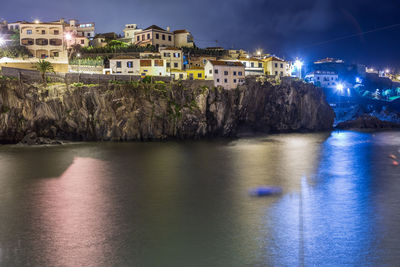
[[283, 27]]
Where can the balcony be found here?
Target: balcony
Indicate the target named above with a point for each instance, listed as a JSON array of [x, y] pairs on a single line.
[[42, 41]]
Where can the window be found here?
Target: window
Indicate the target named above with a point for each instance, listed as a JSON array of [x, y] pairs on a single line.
[[175, 65], [281, 65], [119, 64], [158, 63], [217, 80], [56, 32], [157, 36], [276, 65], [225, 80], [234, 80], [29, 32], [234, 73], [276, 73], [55, 54], [129, 71], [148, 36], [181, 76], [168, 65], [163, 36], [167, 54], [216, 71], [43, 32], [138, 38], [252, 64], [178, 55], [82, 41], [12, 28], [129, 64], [210, 71], [225, 73], [281, 73], [169, 38], [260, 65], [240, 73], [199, 75], [318, 78]]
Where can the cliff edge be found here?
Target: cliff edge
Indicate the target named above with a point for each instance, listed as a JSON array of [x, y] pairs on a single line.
[[157, 111]]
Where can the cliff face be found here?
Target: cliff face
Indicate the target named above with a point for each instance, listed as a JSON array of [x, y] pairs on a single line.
[[138, 111]]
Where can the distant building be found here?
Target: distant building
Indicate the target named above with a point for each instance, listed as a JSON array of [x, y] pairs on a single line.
[[130, 32], [78, 33], [155, 36], [253, 66], [44, 40], [275, 66], [224, 73], [183, 38], [173, 58], [329, 60], [199, 61], [102, 39], [138, 66], [324, 79]]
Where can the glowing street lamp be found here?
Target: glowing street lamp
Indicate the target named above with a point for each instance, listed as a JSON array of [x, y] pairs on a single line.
[[340, 87], [37, 21], [68, 36], [298, 64]]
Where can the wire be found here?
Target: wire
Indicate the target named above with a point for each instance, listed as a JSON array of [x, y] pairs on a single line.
[[355, 35]]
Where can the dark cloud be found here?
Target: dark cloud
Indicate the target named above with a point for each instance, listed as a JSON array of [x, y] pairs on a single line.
[[286, 27]]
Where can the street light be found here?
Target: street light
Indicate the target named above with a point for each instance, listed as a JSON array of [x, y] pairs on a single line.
[[298, 64], [68, 36], [340, 87], [37, 21]]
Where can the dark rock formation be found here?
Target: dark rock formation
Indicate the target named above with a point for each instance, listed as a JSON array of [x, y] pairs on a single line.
[[367, 122], [32, 139], [139, 111]]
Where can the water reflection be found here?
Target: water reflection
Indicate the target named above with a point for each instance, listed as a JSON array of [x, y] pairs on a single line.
[[187, 204]]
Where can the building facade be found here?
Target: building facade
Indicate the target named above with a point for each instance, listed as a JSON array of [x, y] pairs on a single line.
[[44, 40], [277, 67], [253, 66], [130, 32], [324, 79], [224, 73], [183, 38], [173, 58], [126, 65], [155, 36], [78, 33]]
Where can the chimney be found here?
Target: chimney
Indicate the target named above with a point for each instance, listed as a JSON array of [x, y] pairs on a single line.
[[168, 29]]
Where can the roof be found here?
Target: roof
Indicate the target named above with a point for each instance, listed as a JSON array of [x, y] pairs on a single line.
[[181, 31], [106, 35], [124, 57], [226, 63], [170, 48], [273, 58], [250, 59], [155, 27]]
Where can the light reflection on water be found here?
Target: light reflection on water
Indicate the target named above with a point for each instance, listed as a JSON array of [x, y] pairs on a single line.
[[180, 204]]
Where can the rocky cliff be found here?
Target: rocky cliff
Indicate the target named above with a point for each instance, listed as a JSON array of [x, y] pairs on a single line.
[[140, 111]]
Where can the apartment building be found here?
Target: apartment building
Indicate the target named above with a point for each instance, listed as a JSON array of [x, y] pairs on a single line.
[[78, 33], [130, 32], [324, 79], [275, 66], [155, 36], [126, 65], [173, 58], [44, 40], [253, 66], [225, 73]]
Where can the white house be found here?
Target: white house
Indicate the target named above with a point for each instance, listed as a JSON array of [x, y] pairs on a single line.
[[324, 79], [253, 66], [130, 31], [225, 73]]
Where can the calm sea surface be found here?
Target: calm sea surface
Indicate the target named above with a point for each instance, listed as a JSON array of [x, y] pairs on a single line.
[[188, 203]]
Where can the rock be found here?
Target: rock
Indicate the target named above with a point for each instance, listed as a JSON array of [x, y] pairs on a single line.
[[32, 139], [367, 122], [138, 111]]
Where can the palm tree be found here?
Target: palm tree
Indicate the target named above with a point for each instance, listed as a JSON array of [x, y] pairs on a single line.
[[43, 67]]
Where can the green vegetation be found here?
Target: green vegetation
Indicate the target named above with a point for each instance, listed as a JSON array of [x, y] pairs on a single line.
[[112, 48], [44, 67], [195, 51], [15, 50], [98, 61]]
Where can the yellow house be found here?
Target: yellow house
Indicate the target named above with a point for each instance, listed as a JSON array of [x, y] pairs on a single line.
[[178, 74], [195, 74]]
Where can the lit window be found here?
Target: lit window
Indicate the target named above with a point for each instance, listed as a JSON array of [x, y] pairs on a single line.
[[129, 64]]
